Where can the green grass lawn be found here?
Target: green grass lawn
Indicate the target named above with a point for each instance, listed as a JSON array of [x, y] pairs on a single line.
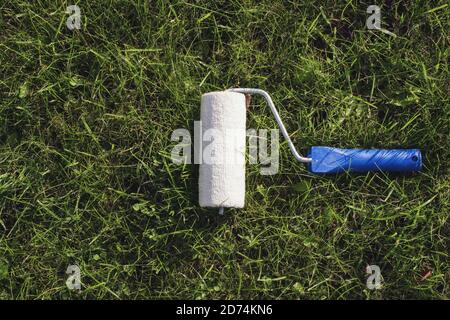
[[86, 176]]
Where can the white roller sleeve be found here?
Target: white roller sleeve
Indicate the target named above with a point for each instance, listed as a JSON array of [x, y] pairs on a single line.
[[222, 172]]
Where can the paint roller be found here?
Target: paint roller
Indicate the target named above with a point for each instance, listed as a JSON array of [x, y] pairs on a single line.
[[222, 170]]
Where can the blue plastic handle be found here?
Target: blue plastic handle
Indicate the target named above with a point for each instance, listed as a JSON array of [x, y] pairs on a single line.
[[334, 160]]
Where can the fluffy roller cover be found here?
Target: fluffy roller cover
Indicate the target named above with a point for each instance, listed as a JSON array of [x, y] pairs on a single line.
[[222, 171]]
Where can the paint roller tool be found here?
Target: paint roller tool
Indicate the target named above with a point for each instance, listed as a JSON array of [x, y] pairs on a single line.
[[222, 170]]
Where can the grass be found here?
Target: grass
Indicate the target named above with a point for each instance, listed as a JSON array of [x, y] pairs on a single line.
[[85, 170]]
